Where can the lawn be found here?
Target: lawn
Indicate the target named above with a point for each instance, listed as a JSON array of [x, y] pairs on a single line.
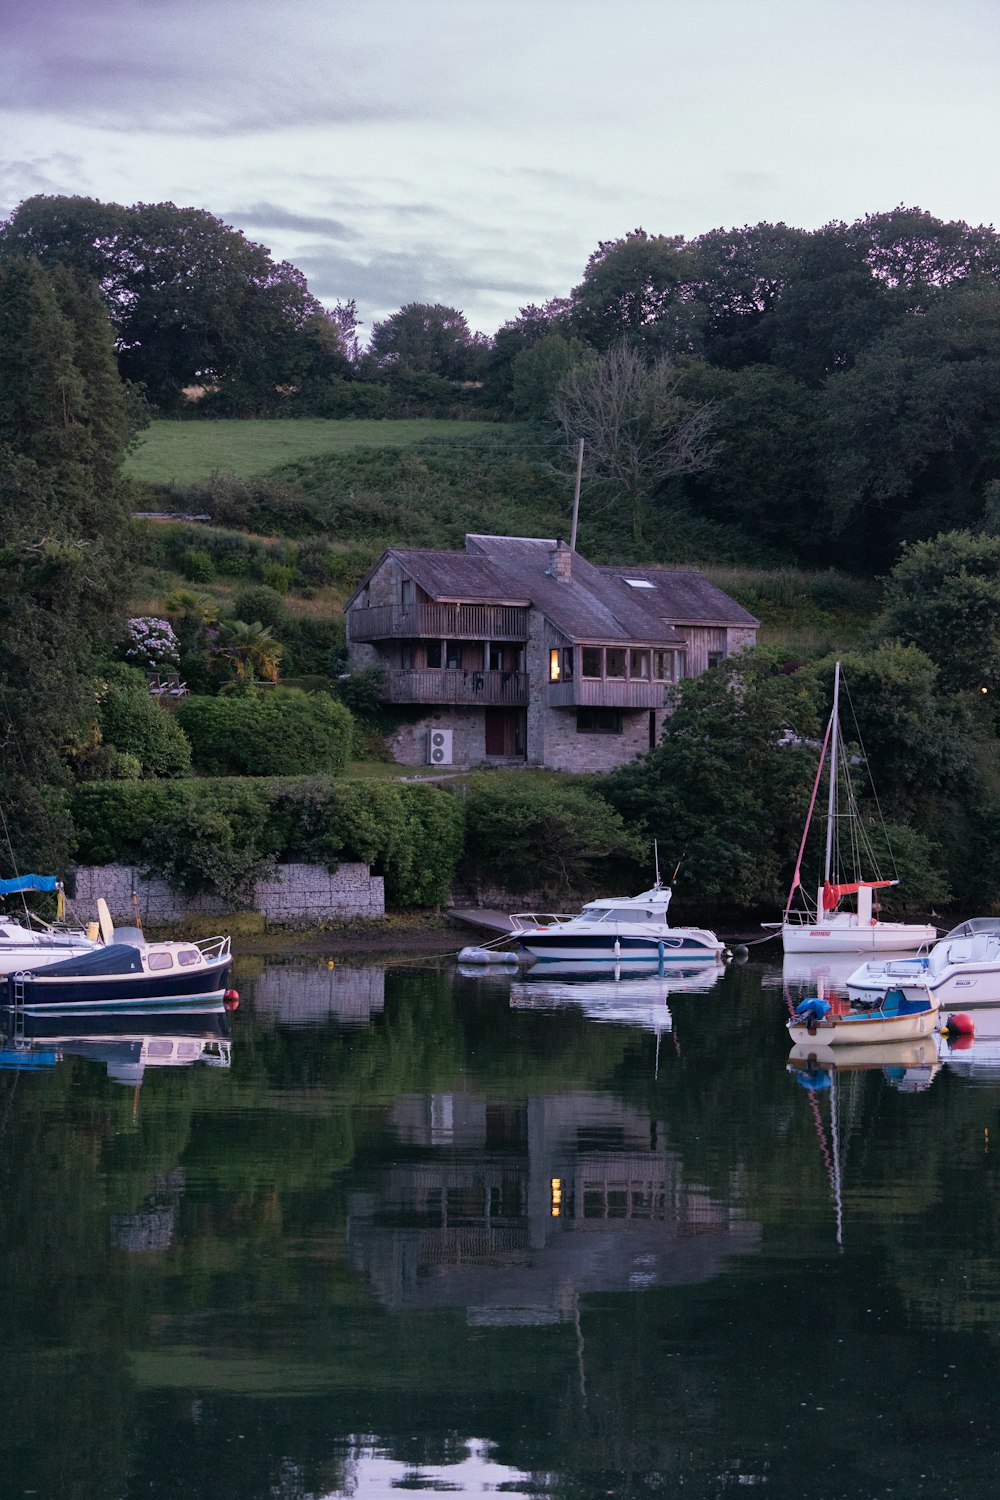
[[186, 452]]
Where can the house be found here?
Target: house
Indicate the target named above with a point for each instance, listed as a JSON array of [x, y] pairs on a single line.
[[522, 652]]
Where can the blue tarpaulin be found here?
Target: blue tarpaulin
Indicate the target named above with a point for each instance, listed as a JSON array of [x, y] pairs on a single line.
[[29, 883]]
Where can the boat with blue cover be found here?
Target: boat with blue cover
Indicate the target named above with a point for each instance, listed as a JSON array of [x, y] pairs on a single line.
[[31, 943], [128, 973], [890, 1016]]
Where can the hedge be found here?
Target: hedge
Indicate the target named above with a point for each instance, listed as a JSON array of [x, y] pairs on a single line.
[[222, 835], [278, 732]]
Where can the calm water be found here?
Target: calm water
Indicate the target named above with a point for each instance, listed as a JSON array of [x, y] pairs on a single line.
[[412, 1229]]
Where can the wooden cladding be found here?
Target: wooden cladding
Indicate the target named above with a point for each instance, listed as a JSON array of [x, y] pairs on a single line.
[[606, 692], [478, 689], [468, 622]]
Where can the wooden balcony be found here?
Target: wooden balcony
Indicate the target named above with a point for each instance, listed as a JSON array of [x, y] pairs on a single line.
[[607, 692], [479, 689], [457, 622]]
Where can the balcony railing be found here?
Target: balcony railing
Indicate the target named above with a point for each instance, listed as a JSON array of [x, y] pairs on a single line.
[[482, 689], [461, 622], [607, 692]]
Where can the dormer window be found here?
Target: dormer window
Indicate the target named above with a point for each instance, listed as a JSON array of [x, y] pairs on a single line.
[[640, 583]]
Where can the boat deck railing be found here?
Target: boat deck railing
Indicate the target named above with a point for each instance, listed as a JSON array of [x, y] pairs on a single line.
[[213, 948], [525, 921]]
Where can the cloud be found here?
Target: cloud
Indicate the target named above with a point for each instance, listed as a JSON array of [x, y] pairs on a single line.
[[273, 216]]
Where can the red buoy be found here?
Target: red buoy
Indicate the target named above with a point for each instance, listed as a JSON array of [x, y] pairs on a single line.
[[960, 1024], [231, 999]]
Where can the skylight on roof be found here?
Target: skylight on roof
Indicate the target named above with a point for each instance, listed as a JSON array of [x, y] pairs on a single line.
[[640, 583]]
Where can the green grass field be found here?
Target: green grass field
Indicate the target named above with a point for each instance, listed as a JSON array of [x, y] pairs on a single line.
[[186, 452]]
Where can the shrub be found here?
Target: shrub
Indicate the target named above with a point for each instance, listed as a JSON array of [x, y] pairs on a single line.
[[527, 832], [283, 732], [197, 566], [150, 644], [140, 728], [258, 602]]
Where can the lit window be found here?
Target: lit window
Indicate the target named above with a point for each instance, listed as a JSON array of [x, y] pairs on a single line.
[[554, 664]]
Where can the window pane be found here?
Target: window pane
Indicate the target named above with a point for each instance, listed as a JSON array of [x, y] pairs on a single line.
[[639, 666], [434, 653], [453, 656], [663, 663], [567, 665], [554, 665], [592, 661], [614, 662]]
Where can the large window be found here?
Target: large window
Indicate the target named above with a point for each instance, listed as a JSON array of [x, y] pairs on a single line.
[[638, 668], [614, 661], [592, 661], [598, 721], [664, 666]]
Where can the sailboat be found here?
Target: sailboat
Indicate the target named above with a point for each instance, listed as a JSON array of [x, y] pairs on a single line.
[[827, 927]]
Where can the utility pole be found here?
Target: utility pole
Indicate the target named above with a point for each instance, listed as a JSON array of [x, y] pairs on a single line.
[[576, 497]]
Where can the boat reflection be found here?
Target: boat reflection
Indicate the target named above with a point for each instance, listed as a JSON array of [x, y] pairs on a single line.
[[126, 1044], [605, 993], [909, 1066], [823, 974]]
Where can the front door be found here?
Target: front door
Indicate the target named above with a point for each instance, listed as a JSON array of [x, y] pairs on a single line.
[[506, 732]]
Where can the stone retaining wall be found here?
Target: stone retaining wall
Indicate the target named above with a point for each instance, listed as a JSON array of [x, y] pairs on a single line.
[[299, 896]]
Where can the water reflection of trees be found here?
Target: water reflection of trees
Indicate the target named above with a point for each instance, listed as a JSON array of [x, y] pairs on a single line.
[[362, 1241]]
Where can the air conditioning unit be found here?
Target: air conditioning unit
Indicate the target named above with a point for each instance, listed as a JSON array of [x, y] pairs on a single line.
[[439, 747]]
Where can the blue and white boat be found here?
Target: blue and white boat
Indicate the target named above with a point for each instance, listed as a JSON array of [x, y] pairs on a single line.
[[962, 968], [872, 1020], [128, 973], [622, 929], [32, 943]]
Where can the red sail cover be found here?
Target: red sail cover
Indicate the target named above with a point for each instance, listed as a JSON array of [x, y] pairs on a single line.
[[832, 893]]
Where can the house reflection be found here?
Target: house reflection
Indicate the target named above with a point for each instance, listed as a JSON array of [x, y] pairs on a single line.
[[513, 1212], [294, 996]]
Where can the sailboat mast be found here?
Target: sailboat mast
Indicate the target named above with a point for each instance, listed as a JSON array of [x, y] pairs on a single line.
[[831, 803]]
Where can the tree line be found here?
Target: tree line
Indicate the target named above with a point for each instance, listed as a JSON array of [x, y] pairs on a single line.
[[846, 379]]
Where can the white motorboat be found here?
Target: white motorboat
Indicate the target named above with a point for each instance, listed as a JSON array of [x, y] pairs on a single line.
[[850, 869], [962, 968], [623, 929]]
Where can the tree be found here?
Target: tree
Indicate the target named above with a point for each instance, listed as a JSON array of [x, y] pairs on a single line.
[[251, 652], [65, 425], [722, 792], [637, 290], [426, 339], [638, 429], [537, 373], [910, 435], [191, 300], [943, 597], [739, 278]]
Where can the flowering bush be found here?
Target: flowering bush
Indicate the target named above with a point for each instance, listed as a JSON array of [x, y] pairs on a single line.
[[151, 644]]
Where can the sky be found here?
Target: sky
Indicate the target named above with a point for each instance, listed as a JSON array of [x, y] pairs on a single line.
[[475, 152]]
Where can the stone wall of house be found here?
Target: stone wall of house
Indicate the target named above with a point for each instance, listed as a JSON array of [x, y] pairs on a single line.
[[298, 896], [408, 743], [567, 749]]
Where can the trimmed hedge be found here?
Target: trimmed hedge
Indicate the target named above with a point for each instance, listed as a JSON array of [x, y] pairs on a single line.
[[279, 732], [222, 835]]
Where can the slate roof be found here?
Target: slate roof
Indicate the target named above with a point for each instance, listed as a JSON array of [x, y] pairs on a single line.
[[684, 596], [594, 604]]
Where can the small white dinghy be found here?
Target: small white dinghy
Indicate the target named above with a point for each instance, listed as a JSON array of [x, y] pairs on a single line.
[[476, 955]]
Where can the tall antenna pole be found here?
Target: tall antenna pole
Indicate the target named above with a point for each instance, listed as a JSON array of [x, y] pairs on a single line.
[[576, 497]]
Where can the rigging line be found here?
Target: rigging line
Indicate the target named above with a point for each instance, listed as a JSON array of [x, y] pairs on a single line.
[[873, 790]]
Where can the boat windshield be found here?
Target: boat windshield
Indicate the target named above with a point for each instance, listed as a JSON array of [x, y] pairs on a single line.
[[975, 927], [626, 914]]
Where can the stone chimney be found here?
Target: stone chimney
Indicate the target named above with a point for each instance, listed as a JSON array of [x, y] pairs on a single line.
[[561, 560]]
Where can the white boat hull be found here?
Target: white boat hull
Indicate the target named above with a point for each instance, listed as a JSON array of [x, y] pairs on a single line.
[[847, 935]]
